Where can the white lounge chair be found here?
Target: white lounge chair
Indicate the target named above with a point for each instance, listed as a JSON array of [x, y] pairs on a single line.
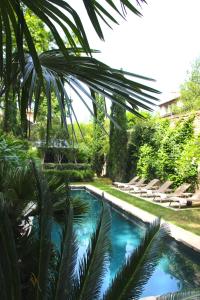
[[184, 202], [180, 191], [139, 183], [142, 190], [162, 189], [123, 184]]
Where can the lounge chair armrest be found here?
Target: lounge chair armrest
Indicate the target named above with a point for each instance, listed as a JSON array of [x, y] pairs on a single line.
[[143, 184], [187, 195], [156, 187]]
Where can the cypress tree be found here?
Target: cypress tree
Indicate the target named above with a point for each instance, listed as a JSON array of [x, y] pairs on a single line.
[[10, 113], [99, 135], [117, 158]]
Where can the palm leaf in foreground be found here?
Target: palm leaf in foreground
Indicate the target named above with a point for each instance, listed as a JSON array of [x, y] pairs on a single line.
[[183, 295], [94, 264], [130, 280], [13, 26], [10, 287], [82, 75], [45, 227], [68, 259]]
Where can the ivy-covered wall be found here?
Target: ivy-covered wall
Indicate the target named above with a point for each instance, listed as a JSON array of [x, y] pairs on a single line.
[[165, 151], [184, 116]]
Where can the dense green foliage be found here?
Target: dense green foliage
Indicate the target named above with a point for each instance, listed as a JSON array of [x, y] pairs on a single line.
[[42, 37], [68, 172], [15, 151], [117, 156], [67, 166], [160, 150], [156, 149], [141, 131], [99, 135], [59, 145], [71, 175]]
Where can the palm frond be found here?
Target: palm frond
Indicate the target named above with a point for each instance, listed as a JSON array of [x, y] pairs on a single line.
[[54, 13], [9, 280], [59, 189], [45, 225], [183, 295], [20, 190], [99, 77], [13, 26], [83, 75], [95, 9], [68, 259], [81, 209], [94, 263], [130, 280]]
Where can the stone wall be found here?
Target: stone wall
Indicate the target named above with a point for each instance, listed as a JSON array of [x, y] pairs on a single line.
[[175, 118]]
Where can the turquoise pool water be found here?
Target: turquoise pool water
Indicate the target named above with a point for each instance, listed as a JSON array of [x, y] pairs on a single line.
[[177, 269]]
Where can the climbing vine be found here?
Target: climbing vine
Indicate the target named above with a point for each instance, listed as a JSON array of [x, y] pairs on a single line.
[[168, 151]]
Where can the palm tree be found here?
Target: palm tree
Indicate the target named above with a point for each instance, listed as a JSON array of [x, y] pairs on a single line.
[[27, 75]]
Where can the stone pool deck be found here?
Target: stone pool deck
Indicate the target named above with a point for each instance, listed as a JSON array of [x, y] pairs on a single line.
[[188, 238]]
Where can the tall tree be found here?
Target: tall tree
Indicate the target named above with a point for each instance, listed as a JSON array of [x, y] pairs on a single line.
[[190, 90], [99, 135], [42, 38], [117, 158], [10, 113]]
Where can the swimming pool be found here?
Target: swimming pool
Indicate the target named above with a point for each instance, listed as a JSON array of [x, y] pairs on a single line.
[[178, 268]]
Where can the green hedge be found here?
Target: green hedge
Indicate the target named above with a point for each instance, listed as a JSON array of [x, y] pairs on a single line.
[[67, 166], [71, 175]]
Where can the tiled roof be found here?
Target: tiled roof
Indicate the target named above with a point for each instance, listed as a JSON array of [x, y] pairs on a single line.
[[169, 98]]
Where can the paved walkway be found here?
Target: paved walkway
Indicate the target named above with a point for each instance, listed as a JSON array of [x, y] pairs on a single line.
[[190, 239]]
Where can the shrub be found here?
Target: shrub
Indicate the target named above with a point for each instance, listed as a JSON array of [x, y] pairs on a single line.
[[71, 175], [84, 153], [146, 166], [172, 146], [67, 166], [187, 164], [143, 132], [16, 151]]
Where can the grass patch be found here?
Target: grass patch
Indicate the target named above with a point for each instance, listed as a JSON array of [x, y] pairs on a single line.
[[187, 219]]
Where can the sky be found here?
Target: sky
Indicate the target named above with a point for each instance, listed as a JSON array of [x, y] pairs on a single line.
[[161, 45]]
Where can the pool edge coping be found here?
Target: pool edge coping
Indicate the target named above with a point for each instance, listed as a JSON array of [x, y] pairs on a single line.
[[181, 235]]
